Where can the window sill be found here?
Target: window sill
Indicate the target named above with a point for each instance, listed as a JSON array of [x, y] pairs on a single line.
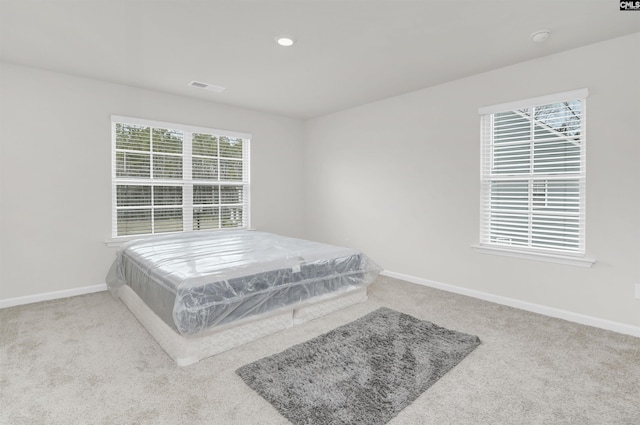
[[536, 256], [115, 242]]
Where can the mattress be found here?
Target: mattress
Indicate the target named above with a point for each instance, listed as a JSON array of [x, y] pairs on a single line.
[[201, 280]]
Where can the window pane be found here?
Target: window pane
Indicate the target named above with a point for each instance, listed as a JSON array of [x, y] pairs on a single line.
[[511, 126], [560, 197], [132, 164], [167, 195], [133, 195], [561, 119], [512, 158], [134, 222], [205, 144], [556, 156], [550, 231], [206, 218], [230, 148], [539, 192], [230, 170], [509, 196], [167, 220], [509, 228], [167, 141], [231, 195], [167, 167], [205, 169], [206, 195], [132, 137], [231, 216]]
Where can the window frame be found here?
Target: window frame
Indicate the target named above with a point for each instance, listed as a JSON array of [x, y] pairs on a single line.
[[187, 181], [534, 181]]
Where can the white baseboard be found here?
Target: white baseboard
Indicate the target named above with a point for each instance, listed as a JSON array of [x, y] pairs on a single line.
[[522, 305], [498, 299], [47, 296]]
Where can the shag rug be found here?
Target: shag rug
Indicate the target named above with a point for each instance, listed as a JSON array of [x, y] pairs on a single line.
[[364, 372]]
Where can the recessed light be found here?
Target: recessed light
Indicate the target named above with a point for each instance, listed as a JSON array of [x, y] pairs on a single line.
[[206, 86], [540, 36], [285, 40]]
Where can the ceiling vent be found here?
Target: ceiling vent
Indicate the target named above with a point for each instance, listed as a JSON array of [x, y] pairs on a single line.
[[206, 86]]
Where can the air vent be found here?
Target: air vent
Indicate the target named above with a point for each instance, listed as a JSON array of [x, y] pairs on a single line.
[[206, 86]]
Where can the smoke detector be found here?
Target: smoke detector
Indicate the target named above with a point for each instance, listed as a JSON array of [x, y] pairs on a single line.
[[540, 36]]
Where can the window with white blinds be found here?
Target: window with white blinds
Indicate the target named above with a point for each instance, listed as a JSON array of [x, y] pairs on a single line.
[[170, 177], [533, 175]]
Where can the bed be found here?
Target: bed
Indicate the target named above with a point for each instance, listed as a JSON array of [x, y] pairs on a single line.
[[201, 293]]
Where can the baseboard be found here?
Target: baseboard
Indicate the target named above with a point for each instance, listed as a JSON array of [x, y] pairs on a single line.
[[47, 296], [522, 305], [498, 299]]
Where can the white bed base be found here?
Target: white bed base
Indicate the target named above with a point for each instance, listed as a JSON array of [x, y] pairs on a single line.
[[189, 350]]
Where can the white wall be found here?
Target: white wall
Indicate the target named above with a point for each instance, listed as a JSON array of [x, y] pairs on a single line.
[[399, 179], [55, 141]]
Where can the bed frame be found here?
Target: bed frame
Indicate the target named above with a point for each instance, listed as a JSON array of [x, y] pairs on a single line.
[[187, 350]]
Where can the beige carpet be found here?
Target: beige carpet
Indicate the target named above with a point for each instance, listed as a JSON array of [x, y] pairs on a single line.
[[86, 360]]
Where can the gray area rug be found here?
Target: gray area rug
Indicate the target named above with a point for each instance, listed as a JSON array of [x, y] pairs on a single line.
[[364, 372]]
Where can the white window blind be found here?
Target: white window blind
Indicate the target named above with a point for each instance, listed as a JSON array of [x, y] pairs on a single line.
[[533, 174], [169, 177]]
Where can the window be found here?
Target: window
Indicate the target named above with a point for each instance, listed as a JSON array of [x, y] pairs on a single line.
[[533, 175], [171, 178]]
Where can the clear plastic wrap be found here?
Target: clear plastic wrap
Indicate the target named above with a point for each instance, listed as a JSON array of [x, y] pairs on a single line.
[[199, 280]]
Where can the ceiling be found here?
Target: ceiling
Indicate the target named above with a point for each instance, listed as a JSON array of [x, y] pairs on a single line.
[[347, 53]]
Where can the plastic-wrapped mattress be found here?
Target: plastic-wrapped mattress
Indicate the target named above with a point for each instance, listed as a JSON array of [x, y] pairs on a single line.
[[198, 280]]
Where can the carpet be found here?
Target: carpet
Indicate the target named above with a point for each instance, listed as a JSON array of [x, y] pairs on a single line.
[[364, 372]]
